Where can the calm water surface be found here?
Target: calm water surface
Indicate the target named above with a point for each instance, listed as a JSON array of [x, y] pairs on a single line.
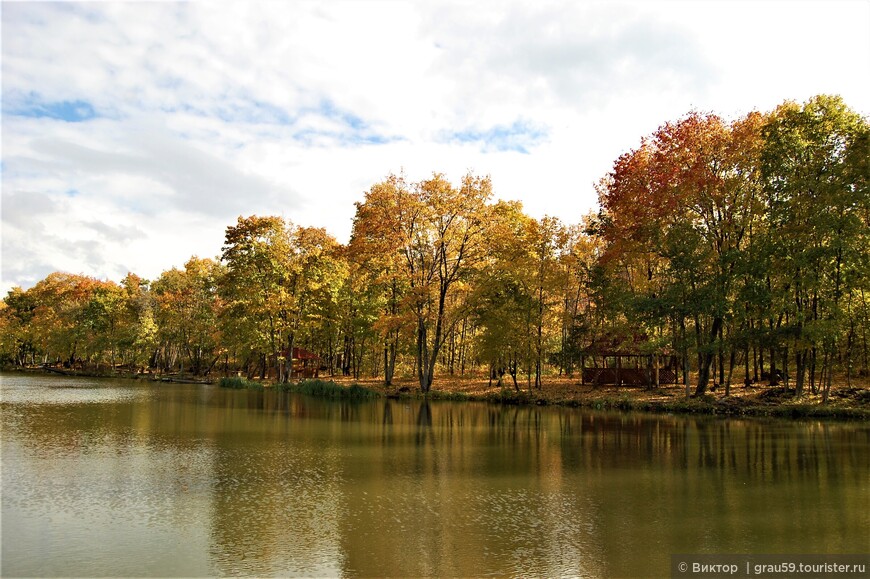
[[115, 478]]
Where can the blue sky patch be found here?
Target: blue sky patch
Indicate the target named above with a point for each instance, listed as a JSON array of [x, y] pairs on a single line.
[[343, 138], [520, 136], [345, 127], [254, 112], [69, 111], [328, 109], [351, 130]]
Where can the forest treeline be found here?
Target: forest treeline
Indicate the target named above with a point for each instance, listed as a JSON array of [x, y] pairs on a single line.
[[740, 250]]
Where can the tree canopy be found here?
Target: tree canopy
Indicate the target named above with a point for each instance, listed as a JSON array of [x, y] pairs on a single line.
[[732, 247]]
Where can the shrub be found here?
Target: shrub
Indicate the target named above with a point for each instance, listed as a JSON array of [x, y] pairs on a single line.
[[324, 389], [507, 396], [238, 383], [441, 395], [357, 392], [624, 403]]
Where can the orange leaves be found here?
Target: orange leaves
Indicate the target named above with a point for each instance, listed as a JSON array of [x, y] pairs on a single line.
[[695, 172], [378, 230]]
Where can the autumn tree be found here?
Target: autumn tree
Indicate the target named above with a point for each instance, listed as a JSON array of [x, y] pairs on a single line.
[[814, 162], [430, 236], [254, 288], [279, 277], [502, 301], [17, 334], [677, 212], [442, 247], [517, 293], [375, 252], [66, 322], [576, 305], [546, 240], [317, 272], [187, 308]]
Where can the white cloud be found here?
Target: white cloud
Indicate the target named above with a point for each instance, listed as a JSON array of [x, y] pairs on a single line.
[[134, 133]]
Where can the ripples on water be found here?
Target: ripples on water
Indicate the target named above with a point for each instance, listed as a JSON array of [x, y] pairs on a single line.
[[59, 390], [131, 478]]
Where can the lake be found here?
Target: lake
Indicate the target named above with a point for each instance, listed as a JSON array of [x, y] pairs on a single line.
[[108, 477]]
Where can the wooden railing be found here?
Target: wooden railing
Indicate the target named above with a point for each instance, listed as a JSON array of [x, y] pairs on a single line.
[[628, 376]]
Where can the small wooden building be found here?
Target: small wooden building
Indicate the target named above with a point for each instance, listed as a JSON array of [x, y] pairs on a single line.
[[627, 361], [306, 364]]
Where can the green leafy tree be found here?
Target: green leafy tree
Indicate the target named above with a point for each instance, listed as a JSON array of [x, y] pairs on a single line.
[[502, 299], [17, 335], [814, 165], [258, 308], [186, 310]]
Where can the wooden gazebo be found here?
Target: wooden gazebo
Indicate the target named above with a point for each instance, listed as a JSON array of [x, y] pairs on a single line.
[[305, 364], [627, 361]]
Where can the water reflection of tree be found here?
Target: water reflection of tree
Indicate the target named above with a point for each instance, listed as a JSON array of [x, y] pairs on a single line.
[[407, 488], [276, 501], [424, 424]]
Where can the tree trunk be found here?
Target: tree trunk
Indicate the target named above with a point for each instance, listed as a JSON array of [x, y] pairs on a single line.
[[721, 348], [707, 359], [732, 359], [463, 348], [388, 371], [346, 355], [746, 379], [291, 343], [826, 391], [422, 355], [785, 366], [539, 342], [800, 371], [686, 362], [760, 365], [512, 368]]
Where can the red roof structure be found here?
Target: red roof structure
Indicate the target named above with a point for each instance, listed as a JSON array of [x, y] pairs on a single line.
[[306, 364], [302, 354]]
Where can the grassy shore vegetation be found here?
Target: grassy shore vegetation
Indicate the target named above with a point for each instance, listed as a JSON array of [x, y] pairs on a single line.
[[846, 403], [726, 256], [329, 389], [239, 383], [756, 400], [311, 387]]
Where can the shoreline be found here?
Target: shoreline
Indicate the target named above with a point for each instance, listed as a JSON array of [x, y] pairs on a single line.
[[755, 401], [633, 400]]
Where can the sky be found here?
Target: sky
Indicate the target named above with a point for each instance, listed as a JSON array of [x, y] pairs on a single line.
[[133, 134]]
